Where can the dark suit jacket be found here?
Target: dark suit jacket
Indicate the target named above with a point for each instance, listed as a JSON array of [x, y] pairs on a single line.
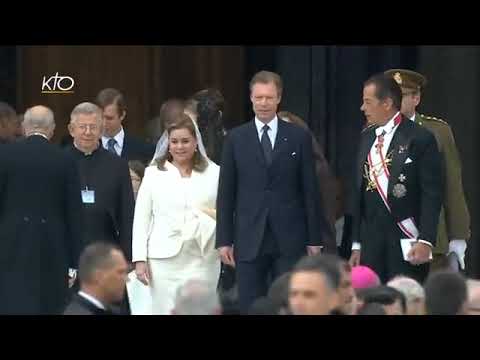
[[81, 306], [110, 218], [286, 192], [423, 178], [40, 226], [136, 149]]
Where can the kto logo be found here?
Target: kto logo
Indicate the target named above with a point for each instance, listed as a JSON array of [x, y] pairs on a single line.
[[58, 84]]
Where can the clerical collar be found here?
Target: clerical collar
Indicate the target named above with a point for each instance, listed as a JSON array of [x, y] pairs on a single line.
[[83, 152]]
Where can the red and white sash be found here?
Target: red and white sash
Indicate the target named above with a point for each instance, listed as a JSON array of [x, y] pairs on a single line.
[[381, 179]]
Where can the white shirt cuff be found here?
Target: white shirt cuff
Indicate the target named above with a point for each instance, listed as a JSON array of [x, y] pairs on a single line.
[[458, 247], [426, 243], [356, 246]]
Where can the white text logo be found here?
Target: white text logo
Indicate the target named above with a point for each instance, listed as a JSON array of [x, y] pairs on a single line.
[[57, 84]]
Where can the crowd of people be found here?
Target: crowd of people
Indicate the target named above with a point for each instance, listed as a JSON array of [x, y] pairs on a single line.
[[201, 220]]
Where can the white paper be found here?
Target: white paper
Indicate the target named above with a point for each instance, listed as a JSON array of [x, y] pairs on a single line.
[[407, 245]]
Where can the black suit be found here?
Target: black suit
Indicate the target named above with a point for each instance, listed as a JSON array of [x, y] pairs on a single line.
[[40, 226], [373, 225], [136, 149], [268, 213], [110, 218], [82, 306]]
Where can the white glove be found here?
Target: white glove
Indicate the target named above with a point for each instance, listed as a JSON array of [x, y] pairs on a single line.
[[456, 253]]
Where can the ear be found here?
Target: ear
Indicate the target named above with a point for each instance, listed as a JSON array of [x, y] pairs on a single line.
[[416, 99], [123, 115], [334, 300], [70, 129], [51, 132], [98, 277], [388, 103]]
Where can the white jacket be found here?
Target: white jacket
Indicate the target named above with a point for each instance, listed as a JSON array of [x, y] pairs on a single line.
[[168, 212]]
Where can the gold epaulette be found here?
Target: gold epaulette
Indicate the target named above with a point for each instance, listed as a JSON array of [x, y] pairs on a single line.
[[368, 127], [434, 119]]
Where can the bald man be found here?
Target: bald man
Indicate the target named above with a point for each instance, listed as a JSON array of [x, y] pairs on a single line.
[[39, 224]]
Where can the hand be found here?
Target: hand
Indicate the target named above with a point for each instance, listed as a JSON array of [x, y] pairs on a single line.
[[72, 276], [226, 255], [355, 258], [419, 253], [313, 250], [210, 212], [141, 270]]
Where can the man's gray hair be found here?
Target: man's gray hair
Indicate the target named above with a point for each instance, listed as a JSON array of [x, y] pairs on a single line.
[[38, 118], [196, 297], [409, 287], [86, 108]]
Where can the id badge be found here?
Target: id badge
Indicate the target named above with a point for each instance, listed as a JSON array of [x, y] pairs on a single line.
[[88, 196]]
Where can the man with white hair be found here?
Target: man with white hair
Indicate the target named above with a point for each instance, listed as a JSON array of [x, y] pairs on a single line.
[[413, 292], [197, 297], [39, 220], [105, 185]]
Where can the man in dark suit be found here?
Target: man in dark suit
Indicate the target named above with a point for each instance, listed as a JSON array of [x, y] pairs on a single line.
[[115, 139], [267, 204], [40, 220], [397, 189], [105, 185], [103, 276]]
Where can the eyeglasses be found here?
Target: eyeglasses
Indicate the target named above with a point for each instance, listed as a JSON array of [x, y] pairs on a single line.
[[407, 93], [84, 127]]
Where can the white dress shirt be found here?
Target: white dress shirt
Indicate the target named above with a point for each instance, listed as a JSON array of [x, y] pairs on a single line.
[[272, 133], [388, 130], [93, 300], [119, 138]]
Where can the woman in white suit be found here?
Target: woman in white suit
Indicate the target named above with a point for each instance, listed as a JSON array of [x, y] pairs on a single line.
[[174, 223]]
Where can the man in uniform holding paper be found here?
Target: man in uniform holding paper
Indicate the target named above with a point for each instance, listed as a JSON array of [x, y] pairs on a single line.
[[398, 187]]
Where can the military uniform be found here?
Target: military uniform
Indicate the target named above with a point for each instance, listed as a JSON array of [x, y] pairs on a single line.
[[454, 222]]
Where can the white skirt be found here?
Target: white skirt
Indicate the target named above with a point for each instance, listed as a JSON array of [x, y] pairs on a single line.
[[168, 274]]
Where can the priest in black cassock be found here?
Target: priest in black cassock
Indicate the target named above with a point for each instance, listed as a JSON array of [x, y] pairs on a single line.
[[106, 188]]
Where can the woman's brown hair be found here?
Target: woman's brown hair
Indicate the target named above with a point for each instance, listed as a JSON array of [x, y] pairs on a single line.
[[183, 121]]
